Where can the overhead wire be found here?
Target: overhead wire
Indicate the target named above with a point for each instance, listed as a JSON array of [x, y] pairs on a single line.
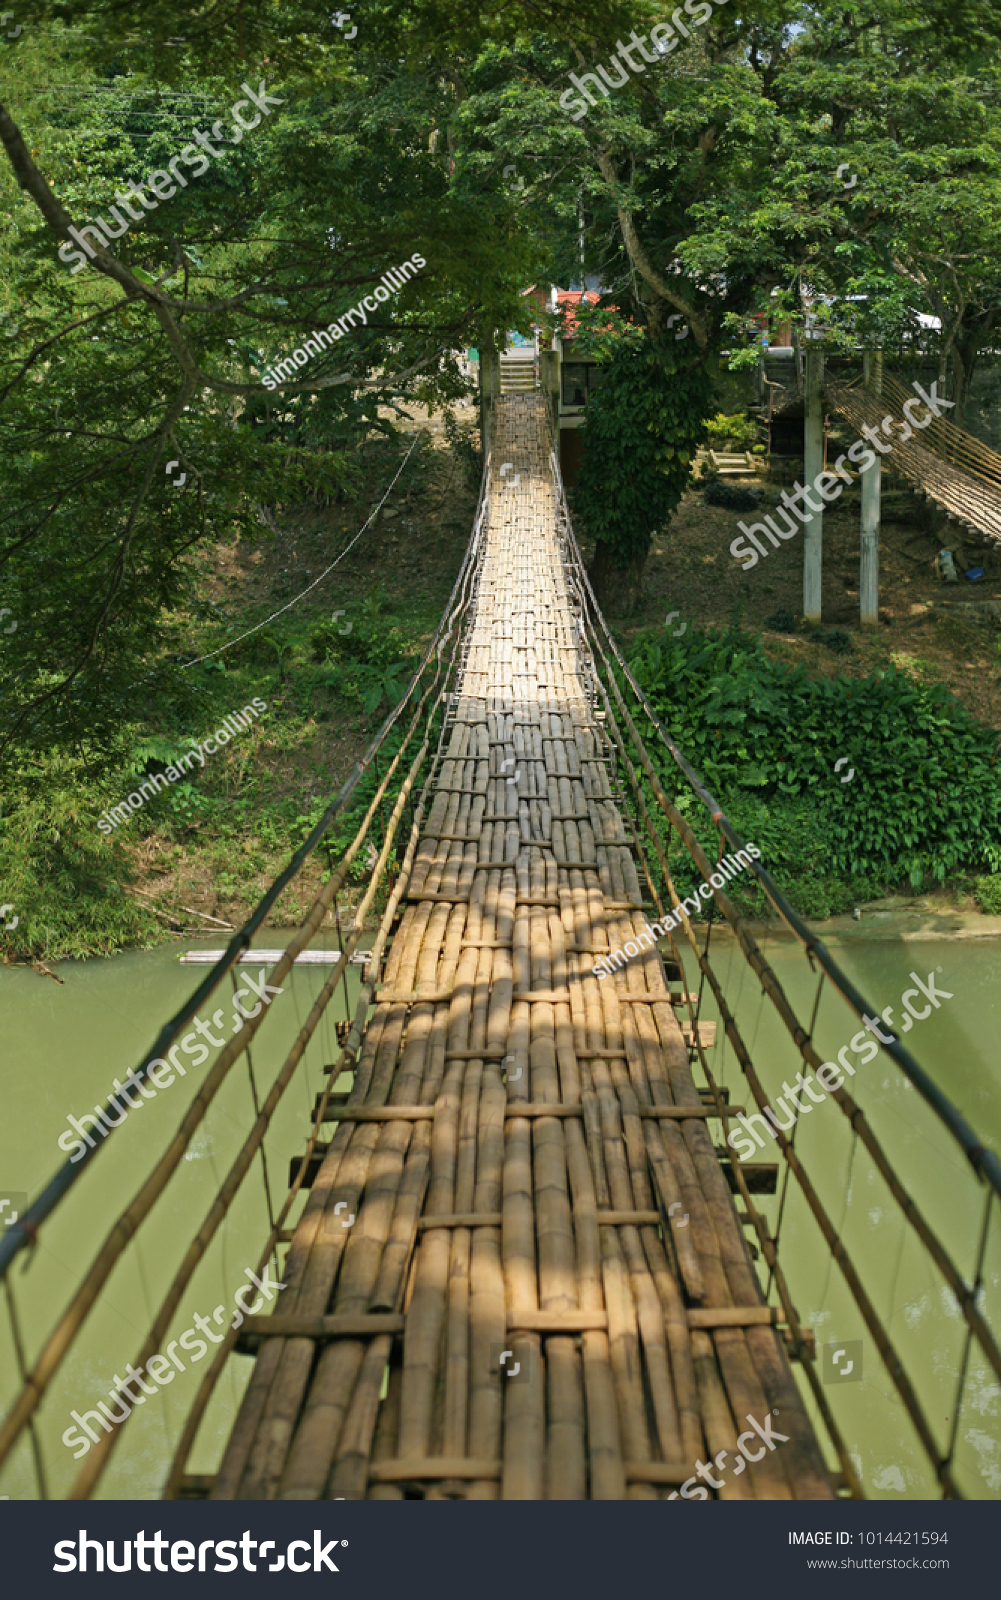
[[323, 574]]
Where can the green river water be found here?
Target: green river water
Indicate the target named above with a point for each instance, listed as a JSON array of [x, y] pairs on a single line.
[[64, 1044]]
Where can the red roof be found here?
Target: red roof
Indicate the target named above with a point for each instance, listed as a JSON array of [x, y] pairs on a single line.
[[568, 299]]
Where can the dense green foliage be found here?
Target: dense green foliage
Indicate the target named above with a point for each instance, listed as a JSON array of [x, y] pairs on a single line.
[[153, 356], [738, 429], [236, 821], [371, 652], [703, 192], [925, 800], [731, 496]]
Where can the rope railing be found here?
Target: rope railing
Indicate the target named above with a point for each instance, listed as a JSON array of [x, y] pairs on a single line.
[[426, 697], [613, 680], [933, 465], [395, 813], [952, 467]]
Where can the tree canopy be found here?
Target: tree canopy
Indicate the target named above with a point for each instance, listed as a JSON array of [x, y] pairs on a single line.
[[815, 161]]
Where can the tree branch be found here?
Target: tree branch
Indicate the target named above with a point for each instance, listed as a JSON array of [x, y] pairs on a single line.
[[642, 262]]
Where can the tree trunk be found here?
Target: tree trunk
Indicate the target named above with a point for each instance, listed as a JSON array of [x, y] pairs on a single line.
[[617, 586]]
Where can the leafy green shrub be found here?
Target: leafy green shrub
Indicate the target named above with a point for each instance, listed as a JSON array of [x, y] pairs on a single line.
[[364, 635], [781, 621], [63, 876], [738, 428], [190, 804], [731, 496], [835, 639], [373, 655], [987, 894], [263, 648], [369, 686], [641, 429], [926, 795]]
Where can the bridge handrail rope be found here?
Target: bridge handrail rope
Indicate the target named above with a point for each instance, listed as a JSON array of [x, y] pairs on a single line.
[[950, 466], [983, 1160], [347, 1060], [59, 1342], [97, 1458], [422, 746], [799, 1345], [22, 1234], [943, 437], [856, 1117]]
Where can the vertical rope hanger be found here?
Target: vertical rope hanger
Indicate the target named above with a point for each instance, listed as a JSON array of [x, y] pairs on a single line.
[[36, 1444], [794, 1130], [344, 973], [964, 1365], [257, 1112]]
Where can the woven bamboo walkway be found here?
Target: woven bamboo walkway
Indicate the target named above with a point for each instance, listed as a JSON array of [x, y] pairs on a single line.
[[526, 1156]]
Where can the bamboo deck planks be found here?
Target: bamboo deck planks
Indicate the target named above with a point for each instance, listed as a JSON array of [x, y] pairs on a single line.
[[545, 1292]]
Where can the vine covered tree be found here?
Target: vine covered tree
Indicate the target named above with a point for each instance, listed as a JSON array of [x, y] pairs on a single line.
[[642, 424]]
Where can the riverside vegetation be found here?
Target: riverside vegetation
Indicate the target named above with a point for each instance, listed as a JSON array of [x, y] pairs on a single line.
[[923, 809], [704, 193], [217, 838]]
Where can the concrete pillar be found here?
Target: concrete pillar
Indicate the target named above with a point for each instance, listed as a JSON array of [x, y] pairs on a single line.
[[813, 465], [872, 371], [549, 380], [489, 390]]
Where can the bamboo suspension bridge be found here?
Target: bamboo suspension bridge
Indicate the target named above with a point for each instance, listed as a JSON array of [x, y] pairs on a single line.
[[522, 1271]]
